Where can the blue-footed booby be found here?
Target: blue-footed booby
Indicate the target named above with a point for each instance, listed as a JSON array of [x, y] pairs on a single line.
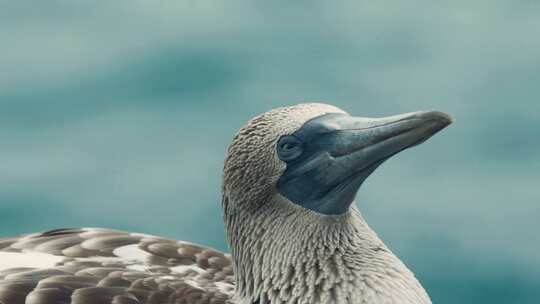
[[295, 233]]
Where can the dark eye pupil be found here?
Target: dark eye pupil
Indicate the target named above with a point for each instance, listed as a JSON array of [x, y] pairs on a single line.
[[288, 146]]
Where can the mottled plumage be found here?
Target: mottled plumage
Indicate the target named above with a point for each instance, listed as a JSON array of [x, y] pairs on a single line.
[[96, 266], [295, 233]]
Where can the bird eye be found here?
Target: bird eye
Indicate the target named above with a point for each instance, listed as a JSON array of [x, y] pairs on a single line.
[[289, 148]]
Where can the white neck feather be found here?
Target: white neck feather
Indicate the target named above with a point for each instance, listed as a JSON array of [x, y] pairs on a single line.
[[283, 253]]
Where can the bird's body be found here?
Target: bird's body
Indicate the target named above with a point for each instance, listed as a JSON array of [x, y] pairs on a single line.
[[295, 234], [94, 266]]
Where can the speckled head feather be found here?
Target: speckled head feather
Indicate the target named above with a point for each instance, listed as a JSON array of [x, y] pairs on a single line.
[[252, 167]]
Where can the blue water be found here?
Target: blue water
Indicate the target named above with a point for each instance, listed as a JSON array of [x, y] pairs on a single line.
[[118, 115]]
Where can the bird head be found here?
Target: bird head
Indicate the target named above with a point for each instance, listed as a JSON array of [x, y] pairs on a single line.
[[315, 156]]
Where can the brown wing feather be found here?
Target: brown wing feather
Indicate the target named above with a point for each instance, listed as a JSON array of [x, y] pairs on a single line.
[[115, 267]]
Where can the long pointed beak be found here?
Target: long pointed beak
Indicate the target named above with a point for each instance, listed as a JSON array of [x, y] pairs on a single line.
[[341, 151], [363, 141]]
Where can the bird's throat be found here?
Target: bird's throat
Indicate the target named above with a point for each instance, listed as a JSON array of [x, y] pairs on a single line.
[[287, 254]]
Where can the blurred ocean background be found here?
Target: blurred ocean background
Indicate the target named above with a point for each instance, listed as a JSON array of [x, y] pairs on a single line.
[[118, 114]]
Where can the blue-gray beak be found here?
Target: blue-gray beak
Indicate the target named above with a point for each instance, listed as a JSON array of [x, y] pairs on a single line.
[[330, 156]]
